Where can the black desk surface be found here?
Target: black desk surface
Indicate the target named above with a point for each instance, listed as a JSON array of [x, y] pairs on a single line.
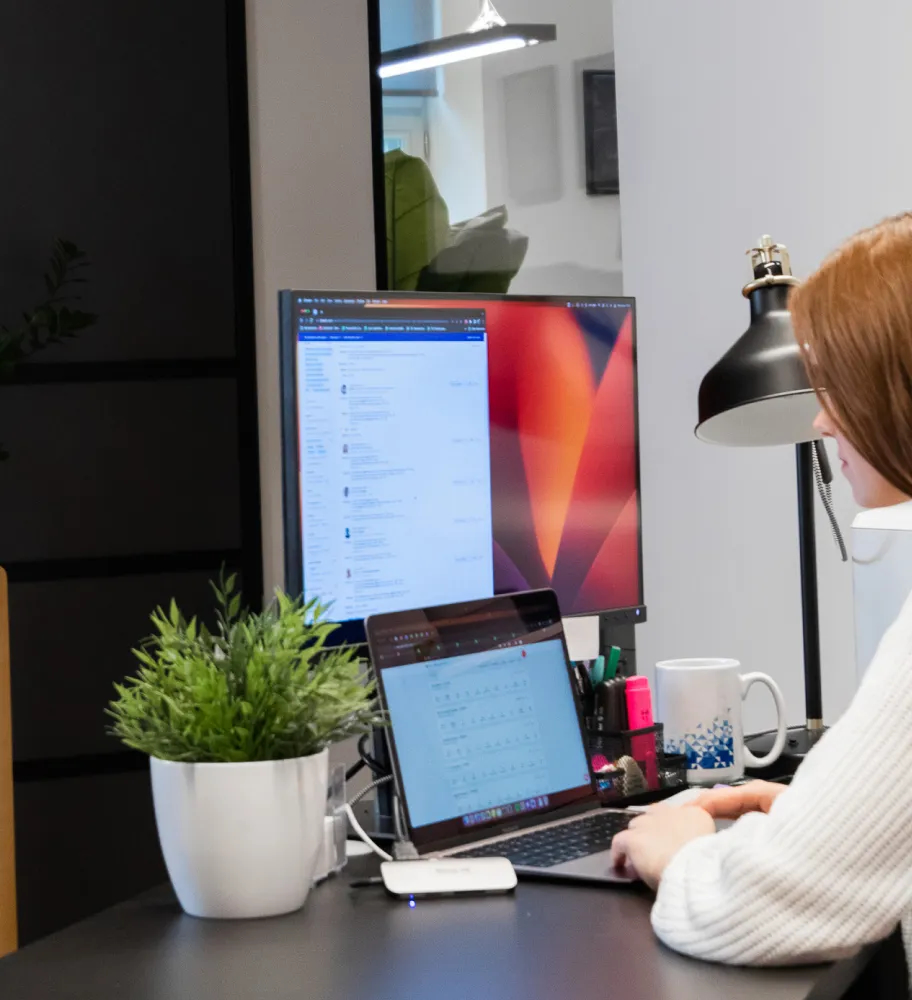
[[546, 941]]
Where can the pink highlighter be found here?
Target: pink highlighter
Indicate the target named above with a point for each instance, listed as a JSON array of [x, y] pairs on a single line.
[[639, 716]]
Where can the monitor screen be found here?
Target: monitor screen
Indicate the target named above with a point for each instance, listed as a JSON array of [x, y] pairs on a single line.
[[442, 711], [484, 726], [445, 449]]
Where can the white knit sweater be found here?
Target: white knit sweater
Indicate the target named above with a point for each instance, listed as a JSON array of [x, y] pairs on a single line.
[[829, 869]]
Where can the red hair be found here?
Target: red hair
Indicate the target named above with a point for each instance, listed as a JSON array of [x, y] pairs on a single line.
[[855, 316]]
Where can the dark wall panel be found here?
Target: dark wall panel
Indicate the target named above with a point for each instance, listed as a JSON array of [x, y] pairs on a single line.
[[82, 844], [71, 640], [133, 469], [115, 134], [114, 468]]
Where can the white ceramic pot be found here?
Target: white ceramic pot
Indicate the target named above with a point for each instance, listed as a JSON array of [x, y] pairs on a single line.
[[241, 840]]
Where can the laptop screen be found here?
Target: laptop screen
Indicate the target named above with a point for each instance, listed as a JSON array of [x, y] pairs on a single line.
[[484, 726]]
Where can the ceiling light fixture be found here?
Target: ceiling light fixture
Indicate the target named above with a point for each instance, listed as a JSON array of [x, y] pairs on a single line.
[[487, 35]]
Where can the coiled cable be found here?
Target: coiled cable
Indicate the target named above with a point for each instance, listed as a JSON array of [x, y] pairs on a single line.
[[823, 476]]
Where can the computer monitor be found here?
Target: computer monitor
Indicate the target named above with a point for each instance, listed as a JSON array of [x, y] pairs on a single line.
[[445, 448]]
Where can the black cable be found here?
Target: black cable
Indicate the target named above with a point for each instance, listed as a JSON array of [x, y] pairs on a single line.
[[379, 771], [365, 759], [361, 883], [357, 767]]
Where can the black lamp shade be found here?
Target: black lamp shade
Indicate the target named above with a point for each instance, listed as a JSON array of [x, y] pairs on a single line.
[[758, 392]]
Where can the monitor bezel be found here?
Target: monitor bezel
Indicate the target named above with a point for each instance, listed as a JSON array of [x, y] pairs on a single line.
[[352, 631]]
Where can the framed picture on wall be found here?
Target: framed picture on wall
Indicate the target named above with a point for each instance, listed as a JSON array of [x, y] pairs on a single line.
[[600, 127]]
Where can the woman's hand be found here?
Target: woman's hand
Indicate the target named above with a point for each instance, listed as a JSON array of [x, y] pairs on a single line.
[[644, 849], [730, 803]]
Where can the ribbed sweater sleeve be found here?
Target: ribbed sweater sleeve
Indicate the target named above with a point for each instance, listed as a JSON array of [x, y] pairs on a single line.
[[829, 869]]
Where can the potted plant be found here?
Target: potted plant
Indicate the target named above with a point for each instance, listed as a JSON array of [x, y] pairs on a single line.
[[236, 723]]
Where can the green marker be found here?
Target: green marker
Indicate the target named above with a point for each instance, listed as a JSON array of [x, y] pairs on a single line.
[[598, 670], [614, 657]]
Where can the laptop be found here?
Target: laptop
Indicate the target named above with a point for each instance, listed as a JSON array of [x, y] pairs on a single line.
[[486, 737]]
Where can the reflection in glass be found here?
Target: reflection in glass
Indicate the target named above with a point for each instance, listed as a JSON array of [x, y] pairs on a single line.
[[485, 160]]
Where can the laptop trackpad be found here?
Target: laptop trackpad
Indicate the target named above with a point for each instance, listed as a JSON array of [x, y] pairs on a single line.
[[593, 866]]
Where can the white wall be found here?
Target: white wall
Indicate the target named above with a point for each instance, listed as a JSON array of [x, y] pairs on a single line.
[[732, 125], [313, 224], [574, 241]]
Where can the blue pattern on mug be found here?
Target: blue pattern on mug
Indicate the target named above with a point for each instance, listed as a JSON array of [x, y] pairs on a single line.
[[706, 749]]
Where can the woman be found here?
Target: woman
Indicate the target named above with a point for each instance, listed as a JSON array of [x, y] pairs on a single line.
[[813, 871]]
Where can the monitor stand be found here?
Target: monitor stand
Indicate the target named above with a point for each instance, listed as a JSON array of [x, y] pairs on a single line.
[[378, 827], [623, 635], [381, 820]]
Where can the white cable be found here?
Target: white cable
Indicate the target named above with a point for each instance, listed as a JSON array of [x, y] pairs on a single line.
[[356, 826], [369, 788]]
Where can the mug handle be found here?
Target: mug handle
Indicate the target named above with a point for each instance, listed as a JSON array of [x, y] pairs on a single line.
[[747, 681]]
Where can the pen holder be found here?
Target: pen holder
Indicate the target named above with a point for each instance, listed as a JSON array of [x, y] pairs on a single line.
[[633, 762]]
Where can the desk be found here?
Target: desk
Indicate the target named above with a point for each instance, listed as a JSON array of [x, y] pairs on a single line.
[[546, 942]]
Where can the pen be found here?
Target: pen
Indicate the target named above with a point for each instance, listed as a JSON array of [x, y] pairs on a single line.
[[619, 686], [614, 657], [598, 670], [604, 707], [585, 689]]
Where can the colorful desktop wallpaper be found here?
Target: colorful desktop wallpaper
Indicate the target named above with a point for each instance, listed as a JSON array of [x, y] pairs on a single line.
[[563, 451]]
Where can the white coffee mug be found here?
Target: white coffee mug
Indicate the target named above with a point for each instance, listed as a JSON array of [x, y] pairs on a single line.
[[699, 704]]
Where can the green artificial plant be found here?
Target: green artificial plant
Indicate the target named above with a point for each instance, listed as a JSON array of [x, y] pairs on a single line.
[[260, 687]]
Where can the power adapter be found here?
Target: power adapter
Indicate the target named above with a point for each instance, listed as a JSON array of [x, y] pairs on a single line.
[[448, 877]]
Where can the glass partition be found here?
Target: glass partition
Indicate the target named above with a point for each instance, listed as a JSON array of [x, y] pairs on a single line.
[[500, 165]]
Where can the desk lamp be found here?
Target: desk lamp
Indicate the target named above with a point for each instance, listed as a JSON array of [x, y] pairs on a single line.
[[758, 394]]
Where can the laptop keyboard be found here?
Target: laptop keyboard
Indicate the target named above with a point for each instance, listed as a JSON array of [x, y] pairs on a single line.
[[557, 844]]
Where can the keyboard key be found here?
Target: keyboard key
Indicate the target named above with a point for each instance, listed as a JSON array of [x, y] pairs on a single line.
[[547, 848]]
